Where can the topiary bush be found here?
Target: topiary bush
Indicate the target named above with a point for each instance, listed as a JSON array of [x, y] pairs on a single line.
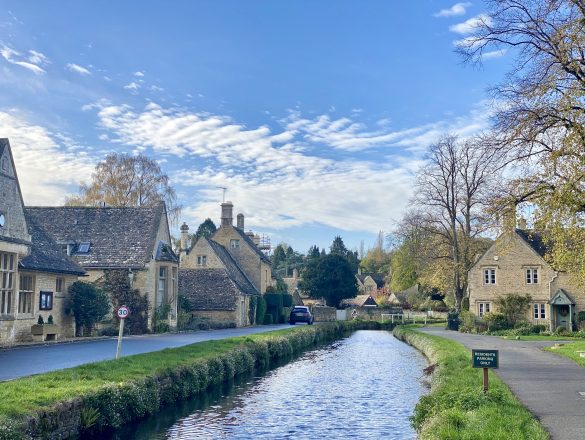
[[287, 300], [268, 319]]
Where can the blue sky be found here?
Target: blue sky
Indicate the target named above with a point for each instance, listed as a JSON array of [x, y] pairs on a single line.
[[314, 114]]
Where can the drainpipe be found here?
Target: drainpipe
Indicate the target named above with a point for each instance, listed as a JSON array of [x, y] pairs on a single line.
[[549, 298]]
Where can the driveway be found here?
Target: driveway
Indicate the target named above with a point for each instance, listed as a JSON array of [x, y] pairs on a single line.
[[24, 361], [552, 387]]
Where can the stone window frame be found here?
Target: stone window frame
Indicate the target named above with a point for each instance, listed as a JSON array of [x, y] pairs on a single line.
[[162, 294], [531, 275], [538, 310], [59, 284], [490, 278], [483, 307], [8, 265], [46, 299], [234, 243], [26, 294], [202, 260]]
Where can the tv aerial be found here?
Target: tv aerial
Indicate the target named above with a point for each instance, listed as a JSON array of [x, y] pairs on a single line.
[[224, 189]]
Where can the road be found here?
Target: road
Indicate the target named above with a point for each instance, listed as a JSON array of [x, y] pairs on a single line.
[[552, 387], [24, 361]]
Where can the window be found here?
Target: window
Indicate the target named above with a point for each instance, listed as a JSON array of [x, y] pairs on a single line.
[[539, 311], [59, 285], [235, 244], [489, 276], [532, 276], [7, 270], [482, 309], [46, 301], [162, 286], [201, 260], [83, 248], [25, 294], [174, 291]]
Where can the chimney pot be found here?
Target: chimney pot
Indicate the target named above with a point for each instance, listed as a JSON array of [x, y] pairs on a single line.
[[184, 236]]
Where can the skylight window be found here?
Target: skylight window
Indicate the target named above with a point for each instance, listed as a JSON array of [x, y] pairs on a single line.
[[83, 248]]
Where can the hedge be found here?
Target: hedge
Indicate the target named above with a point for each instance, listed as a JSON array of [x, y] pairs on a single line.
[[91, 398]]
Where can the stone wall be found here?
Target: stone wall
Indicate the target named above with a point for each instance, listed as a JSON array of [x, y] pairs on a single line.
[[323, 314]]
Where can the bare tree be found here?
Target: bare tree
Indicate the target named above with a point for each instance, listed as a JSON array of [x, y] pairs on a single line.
[[124, 180], [450, 195]]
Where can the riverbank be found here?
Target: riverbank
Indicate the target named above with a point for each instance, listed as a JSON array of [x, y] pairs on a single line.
[[456, 407], [104, 395]]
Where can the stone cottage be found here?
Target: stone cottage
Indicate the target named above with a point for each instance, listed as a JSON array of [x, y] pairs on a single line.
[[219, 274], [370, 283], [132, 239], [34, 274], [515, 264]]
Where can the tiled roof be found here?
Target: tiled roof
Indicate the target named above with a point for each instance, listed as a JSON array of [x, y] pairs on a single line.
[[118, 237], [360, 301], [534, 239], [208, 289], [45, 255], [251, 243], [234, 271]]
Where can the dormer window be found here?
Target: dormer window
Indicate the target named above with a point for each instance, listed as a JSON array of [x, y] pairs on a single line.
[[235, 244], [83, 247]]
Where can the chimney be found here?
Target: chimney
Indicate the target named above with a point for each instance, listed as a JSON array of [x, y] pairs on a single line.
[[509, 219], [522, 223], [184, 236], [240, 221], [227, 216], [295, 273]]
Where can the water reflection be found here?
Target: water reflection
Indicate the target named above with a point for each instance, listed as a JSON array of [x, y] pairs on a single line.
[[365, 386]]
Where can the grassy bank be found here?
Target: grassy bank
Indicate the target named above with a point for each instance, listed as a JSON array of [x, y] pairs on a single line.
[[105, 395], [456, 407], [571, 350]]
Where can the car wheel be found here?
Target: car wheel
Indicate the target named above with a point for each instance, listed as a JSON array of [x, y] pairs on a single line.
[[311, 322]]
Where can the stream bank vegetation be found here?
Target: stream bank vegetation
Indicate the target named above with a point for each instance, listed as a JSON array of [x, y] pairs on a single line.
[[456, 408], [102, 396]]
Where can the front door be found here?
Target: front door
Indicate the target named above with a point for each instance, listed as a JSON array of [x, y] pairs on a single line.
[[563, 316]]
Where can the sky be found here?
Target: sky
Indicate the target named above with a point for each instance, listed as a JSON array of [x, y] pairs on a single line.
[[315, 115]]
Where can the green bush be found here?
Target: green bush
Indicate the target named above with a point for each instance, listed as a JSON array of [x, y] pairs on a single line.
[[581, 316], [495, 321], [539, 328], [467, 322], [514, 307], [287, 300], [561, 331], [260, 310], [273, 300], [268, 319]]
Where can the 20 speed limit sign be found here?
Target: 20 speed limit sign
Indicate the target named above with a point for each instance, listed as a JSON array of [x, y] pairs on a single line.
[[123, 312]]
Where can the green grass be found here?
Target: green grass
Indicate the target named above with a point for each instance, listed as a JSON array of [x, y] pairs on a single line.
[[540, 338], [29, 394], [456, 408], [571, 351]]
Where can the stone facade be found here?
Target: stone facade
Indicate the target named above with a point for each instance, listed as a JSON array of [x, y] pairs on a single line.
[[514, 264]]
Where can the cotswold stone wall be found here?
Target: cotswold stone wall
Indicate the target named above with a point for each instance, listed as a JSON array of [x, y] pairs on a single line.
[[323, 314]]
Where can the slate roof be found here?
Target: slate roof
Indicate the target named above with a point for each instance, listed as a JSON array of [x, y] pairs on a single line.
[[534, 239], [251, 243], [118, 237], [164, 252], [235, 273], [209, 289], [378, 278], [45, 255], [3, 143], [360, 301]]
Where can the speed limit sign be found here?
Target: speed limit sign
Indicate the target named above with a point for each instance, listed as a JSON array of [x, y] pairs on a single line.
[[123, 312]]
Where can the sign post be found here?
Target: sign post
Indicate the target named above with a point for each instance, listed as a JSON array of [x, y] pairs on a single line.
[[485, 359], [123, 312]]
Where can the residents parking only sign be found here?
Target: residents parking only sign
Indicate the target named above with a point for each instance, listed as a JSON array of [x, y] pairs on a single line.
[[485, 358]]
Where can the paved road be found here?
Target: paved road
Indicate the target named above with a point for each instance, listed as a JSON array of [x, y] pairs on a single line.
[[24, 361], [552, 387]]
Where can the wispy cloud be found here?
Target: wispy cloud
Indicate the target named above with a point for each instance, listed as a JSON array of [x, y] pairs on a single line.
[[32, 62], [133, 86], [455, 10], [493, 54], [469, 26], [76, 68], [139, 74], [49, 165]]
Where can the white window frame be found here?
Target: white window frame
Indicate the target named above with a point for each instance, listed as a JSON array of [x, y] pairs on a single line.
[[202, 260], [235, 243], [483, 308], [161, 288], [46, 299], [489, 276], [8, 263], [25, 296], [531, 275], [538, 311]]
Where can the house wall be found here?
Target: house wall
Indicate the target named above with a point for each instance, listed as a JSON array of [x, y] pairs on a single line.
[[511, 256], [370, 286], [202, 247]]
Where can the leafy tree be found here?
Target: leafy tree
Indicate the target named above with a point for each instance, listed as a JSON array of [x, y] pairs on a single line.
[[338, 248], [314, 252], [125, 180], [330, 277], [117, 284], [205, 229], [279, 255], [403, 271], [513, 307], [90, 305], [376, 260]]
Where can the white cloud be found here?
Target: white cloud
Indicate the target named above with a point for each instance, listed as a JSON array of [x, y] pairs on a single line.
[[133, 86], [469, 26], [12, 56], [76, 68], [49, 165], [277, 177], [36, 57], [456, 9], [493, 54], [139, 74]]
